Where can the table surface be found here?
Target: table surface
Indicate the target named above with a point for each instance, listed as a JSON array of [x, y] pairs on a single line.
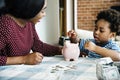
[[52, 68]]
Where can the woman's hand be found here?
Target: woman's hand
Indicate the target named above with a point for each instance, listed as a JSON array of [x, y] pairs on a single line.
[[33, 58]]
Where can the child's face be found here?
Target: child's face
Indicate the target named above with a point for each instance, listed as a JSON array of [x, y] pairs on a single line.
[[102, 32], [40, 15]]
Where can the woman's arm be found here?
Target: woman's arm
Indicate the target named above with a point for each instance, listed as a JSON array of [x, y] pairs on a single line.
[[30, 59], [44, 48]]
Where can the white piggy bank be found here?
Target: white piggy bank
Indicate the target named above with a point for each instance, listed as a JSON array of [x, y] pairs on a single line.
[[70, 51]]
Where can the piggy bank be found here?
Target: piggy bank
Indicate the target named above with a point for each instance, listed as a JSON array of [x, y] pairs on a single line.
[[70, 51]]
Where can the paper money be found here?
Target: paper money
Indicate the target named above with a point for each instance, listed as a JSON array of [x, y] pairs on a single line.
[[106, 70], [118, 65]]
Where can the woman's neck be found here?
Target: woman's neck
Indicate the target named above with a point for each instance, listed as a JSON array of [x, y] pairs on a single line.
[[20, 22]]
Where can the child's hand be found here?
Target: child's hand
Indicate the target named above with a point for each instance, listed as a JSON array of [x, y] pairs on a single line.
[[90, 46], [72, 34], [82, 54]]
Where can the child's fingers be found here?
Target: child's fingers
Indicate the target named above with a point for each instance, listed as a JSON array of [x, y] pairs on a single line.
[[70, 33]]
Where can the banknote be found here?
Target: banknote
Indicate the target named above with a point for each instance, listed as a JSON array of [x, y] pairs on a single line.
[[117, 63], [106, 70]]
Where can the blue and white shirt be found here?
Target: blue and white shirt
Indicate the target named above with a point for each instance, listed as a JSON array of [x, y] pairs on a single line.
[[109, 45]]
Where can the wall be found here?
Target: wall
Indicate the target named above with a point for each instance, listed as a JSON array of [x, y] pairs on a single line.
[[66, 16], [48, 27], [88, 9], [69, 15]]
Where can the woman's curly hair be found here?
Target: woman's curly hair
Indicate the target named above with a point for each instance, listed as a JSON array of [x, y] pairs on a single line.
[[113, 17]]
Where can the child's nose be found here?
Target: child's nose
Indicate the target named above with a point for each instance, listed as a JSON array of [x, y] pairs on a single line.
[[97, 32]]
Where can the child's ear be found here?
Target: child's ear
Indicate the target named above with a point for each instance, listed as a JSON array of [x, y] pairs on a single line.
[[113, 34]]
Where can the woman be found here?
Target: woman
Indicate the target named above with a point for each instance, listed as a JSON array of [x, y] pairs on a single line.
[[18, 35]]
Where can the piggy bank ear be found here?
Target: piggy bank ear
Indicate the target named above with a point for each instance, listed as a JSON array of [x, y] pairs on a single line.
[[67, 43], [77, 43]]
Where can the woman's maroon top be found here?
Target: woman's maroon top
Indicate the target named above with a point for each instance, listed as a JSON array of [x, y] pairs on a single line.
[[18, 41]]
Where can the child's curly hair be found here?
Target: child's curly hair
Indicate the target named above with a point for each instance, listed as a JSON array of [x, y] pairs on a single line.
[[113, 17]]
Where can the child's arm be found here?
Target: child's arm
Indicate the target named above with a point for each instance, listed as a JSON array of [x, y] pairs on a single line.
[[102, 51]]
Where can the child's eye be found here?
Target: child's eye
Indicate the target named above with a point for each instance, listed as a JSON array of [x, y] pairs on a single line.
[[95, 29], [102, 31]]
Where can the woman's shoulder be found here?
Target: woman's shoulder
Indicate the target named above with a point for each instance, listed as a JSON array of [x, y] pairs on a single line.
[[5, 18], [5, 21], [6, 25]]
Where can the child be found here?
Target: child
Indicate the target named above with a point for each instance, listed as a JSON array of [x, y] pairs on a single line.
[[107, 26]]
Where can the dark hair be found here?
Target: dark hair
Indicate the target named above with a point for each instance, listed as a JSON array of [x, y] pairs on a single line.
[[25, 9], [111, 16], [1, 3], [116, 8]]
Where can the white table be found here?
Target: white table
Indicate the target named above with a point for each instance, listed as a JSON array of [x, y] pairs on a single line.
[[52, 68]]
